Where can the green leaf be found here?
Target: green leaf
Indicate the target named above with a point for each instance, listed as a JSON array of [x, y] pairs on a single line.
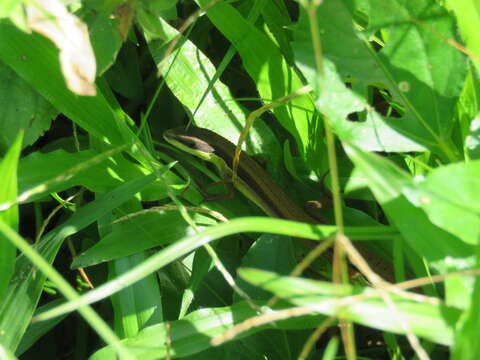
[[98, 172], [6, 353], [93, 113], [150, 230], [137, 305], [450, 196], [194, 332], [416, 66], [336, 101], [160, 5], [467, 346], [387, 182], [269, 252], [426, 73], [59, 173], [8, 193], [246, 224], [278, 19], [105, 38], [37, 329], [22, 109], [124, 77]]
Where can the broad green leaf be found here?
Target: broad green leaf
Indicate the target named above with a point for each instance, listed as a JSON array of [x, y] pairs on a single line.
[[207, 284], [278, 19], [98, 172], [387, 182], [93, 113], [450, 196], [149, 229], [24, 290], [22, 109], [334, 99], [157, 7], [408, 66], [107, 6], [6, 353], [194, 332], [135, 306], [59, 173], [434, 322], [8, 193], [426, 73], [124, 77]]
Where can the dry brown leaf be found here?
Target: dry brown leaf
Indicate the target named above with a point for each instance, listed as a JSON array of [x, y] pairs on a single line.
[[51, 19], [124, 19]]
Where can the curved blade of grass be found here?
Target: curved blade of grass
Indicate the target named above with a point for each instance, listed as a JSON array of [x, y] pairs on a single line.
[[188, 244], [65, 288], [434, 322]]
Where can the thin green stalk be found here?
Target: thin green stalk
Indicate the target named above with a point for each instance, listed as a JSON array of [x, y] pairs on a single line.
[[340, 273]]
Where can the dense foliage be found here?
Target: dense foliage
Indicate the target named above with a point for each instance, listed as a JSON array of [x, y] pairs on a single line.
[[367, 105]]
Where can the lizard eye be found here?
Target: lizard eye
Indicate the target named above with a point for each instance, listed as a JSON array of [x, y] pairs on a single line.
[[189, 143], [197, 144]]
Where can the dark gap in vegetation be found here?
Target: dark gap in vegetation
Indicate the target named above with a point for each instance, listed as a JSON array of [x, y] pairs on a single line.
[[384, 104]]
